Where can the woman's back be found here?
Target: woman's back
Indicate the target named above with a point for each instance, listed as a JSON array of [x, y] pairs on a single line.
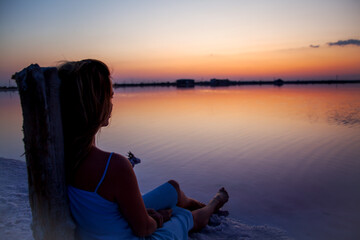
[[96, 216], [91, 170]]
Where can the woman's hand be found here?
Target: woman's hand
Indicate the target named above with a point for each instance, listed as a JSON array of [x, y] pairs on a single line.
[[165, 213], [160, 216]]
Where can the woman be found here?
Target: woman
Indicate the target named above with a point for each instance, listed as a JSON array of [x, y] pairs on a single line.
[[103, 192]]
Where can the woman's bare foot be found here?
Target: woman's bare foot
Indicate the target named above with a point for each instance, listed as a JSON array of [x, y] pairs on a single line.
[[201, 216], [220, 198]]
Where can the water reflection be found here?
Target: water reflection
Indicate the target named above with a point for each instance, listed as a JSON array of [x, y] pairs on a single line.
[[348, 117]]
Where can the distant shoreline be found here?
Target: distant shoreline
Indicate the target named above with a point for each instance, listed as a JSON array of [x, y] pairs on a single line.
[[190, 83], [6, 89]]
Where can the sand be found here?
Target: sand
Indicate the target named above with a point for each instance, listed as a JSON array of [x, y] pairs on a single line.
[[15, 214]]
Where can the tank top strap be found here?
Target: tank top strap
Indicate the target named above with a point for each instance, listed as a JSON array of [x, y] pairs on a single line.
[[103, 176]]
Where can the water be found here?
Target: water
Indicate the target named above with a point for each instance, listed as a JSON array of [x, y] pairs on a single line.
[[288, 156], [11, 145]]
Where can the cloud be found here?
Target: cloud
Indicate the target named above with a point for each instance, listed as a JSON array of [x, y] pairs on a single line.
[[355, 42], [314, 46]]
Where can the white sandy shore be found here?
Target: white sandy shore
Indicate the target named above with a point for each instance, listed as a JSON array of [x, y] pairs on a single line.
[[15, 214]]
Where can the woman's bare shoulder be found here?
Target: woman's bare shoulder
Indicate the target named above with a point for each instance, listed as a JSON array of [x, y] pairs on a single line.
[[119, 160], [119, 177], [120, 168]]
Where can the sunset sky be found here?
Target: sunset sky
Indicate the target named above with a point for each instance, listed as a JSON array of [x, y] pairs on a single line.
[[165, 40]]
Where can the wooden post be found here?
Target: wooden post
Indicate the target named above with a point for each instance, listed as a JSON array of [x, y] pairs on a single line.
[[44, 150]]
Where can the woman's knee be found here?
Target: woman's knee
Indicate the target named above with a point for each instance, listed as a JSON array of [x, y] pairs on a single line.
[[181, 200], [175, 184]]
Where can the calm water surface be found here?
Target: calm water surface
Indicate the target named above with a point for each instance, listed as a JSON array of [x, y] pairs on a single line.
[[289, 156]]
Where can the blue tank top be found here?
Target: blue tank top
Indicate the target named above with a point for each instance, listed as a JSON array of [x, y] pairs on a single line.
[[97, 217]]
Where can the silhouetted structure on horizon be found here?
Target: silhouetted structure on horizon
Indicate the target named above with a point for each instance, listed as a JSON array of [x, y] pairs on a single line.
[[279, 82], [185, 83]]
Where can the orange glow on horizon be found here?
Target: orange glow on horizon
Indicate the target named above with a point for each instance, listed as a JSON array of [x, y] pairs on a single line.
[[302, 62], [293, 64]]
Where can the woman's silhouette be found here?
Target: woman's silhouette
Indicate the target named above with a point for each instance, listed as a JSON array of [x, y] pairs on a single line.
[[103, 191]]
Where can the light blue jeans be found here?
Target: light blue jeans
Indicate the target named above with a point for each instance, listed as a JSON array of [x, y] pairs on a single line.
[[181, 222]]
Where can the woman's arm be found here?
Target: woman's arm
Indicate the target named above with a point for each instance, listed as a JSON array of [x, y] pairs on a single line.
[[123, 182]]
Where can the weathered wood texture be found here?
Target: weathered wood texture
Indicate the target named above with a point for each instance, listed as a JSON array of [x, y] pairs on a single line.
[[44, 150]]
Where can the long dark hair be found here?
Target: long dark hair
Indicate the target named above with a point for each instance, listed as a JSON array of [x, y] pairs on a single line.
[[85, 95]]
